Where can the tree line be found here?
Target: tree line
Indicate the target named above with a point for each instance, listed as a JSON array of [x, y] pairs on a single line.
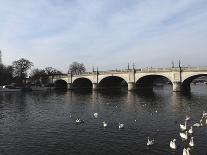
[[17, 73]]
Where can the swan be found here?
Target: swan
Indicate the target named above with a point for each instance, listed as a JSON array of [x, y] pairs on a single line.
[[197, 125], [204, 114], [191, 143], [121, 125], [184, 135], [206, 121], [173, 144], [105, 124], [78, 120], [187, 118], [150, 142], [186, 151], [190, 130], [95, 115], [183, 127]]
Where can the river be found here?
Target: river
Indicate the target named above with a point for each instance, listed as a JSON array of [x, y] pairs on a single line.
[[43, 123]]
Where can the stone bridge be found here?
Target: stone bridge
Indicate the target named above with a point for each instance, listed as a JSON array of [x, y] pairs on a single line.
[[179, 77]]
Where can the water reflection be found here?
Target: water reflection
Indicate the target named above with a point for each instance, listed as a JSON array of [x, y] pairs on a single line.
[[40, 122]]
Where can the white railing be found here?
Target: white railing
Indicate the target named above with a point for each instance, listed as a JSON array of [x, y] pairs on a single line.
[[150, 69]]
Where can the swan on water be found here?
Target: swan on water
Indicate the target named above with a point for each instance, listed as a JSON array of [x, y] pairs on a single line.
[[121, 125], [191, 143], [105, 124], [186, 151], [198, 124], [173, 144], [204, 114], [184, 135], [78, 120], [95, 115], [190, 130], [183, 127], [150, 142], [187, 118]]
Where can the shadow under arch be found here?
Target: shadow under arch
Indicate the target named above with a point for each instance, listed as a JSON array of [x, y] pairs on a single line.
[[60, 84], [187, 82], [82, 83], [112, 82], [149, 82]]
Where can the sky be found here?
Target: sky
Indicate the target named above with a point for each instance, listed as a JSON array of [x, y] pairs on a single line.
[[104, 33]]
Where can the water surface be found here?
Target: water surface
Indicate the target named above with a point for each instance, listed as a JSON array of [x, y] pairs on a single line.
[[39, 123]]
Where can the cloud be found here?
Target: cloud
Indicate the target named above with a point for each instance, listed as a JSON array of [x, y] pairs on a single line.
[[104, 33]]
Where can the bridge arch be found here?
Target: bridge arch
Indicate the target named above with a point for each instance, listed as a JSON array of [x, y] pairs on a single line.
[[112, 82], [60, 84], [82, 83], [188, 80], [147, 81]]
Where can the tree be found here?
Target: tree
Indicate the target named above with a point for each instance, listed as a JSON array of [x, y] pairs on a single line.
[[77, 68], [52, 72], [6, 74], [21, 67], [38, 76]]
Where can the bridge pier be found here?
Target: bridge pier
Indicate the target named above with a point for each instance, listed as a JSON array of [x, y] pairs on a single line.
[[177, 87], [131, 86], [95, 86]]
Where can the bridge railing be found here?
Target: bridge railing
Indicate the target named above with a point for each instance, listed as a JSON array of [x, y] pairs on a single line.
[[148, 69]]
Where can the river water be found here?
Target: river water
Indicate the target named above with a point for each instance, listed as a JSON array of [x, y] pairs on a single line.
[[43, 123]]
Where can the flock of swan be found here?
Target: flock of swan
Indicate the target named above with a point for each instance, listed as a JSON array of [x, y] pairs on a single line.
[[184, 134]]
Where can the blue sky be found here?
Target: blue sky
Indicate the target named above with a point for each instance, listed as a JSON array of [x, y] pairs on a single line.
[[104, 33]]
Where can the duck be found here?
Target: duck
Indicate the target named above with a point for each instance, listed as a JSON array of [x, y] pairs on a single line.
[[183, 127], [191, 143], [186, 151], [105, 124], [150, 142], [121, 125], [173, 144], [95, 115], [190, 130], [184, 135]]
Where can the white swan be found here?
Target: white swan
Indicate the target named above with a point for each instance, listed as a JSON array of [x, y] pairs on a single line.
[[191, 143], [173, 144], [183, 127], [184, 135], [150, 142], [95, 115], [187, 118], [121, 125], [206, 121], [186, 151], [204, 114], [105, 124], [190, 130], [197, 125], [78, 120]]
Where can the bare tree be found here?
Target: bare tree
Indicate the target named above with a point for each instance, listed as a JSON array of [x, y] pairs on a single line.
[[52, 72], [38, 76], [21, 67], [77, 68]]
